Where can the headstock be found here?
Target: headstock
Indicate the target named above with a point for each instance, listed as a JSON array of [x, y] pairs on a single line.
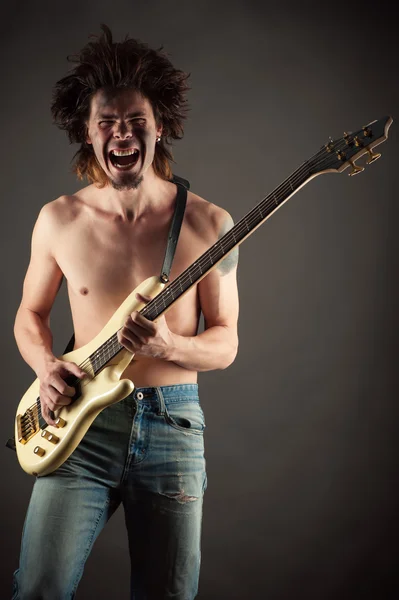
[[339, 154]]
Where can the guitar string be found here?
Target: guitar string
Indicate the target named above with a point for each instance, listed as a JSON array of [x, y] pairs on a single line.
[[109, 346], [264, 204]]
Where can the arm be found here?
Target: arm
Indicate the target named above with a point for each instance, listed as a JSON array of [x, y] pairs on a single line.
[[42, 282], [214, 348], [32, 332]]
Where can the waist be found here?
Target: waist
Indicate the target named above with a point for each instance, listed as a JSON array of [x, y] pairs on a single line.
[[187, 392], [151, 372]]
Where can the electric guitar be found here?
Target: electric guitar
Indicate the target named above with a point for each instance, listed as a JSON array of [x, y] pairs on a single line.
[[42, 448]]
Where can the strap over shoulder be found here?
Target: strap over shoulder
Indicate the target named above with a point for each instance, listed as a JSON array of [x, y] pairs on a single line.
[[175, 227], [184, 182]]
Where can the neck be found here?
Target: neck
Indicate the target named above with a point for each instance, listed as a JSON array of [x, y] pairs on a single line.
[[131, 205]]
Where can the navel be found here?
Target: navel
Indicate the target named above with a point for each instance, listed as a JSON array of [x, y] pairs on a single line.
[[84, 291]]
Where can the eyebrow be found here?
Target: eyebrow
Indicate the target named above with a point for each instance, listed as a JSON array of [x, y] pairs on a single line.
[[113, 116]]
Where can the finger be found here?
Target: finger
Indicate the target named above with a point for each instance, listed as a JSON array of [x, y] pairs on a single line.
[[46, 414], [143, 298], [61, 386], [130, 341], [136, 333], [58, 399], [141, 321], [75, 369]]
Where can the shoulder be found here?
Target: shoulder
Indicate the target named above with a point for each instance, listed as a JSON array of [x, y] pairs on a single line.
[[207, 218], [61, 211]]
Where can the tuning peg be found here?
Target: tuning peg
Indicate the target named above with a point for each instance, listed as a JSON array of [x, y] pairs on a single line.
[[373, 156], [347, 139], [366, 131], [356, 169], [358, 143]]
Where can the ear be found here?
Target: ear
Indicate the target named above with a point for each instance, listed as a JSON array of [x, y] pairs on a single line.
[[88, 140]]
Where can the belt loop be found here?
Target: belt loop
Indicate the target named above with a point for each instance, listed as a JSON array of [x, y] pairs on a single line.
[[162, 407]]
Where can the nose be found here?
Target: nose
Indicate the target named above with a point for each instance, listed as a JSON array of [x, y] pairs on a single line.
[[122, 131]]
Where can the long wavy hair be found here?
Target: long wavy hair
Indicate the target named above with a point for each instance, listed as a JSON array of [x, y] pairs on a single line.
[[129, 64]]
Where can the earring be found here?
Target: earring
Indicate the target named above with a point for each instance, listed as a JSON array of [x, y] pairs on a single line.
[[159, 139]]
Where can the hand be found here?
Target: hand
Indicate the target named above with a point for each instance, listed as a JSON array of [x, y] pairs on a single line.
[[144, 337], [54, 391]]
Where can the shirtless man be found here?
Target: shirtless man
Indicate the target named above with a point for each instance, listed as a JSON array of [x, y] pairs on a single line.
[[105, 240]]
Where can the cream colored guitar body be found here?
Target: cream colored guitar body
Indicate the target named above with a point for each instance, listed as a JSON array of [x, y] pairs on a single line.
[[39, 455]]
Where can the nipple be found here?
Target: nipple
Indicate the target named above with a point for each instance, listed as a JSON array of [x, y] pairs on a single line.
[[84, 291]]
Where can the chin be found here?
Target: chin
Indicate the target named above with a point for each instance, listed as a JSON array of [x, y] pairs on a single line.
[[129, 181]]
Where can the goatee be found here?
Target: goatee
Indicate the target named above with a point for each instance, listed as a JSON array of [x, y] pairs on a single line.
[[131, 183]]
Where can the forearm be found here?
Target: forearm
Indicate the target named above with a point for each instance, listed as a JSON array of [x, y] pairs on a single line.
[[34, 339], [215, 348]]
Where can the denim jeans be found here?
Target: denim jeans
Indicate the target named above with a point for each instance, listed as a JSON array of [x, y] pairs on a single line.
[[146, 452]]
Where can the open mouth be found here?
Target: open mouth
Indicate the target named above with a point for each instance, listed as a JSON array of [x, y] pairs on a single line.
[[124, 159]]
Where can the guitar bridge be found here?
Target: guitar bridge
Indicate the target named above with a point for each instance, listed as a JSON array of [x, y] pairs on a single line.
[[27, 425]]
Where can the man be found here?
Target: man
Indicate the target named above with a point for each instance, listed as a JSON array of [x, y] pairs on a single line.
[[124, 103]]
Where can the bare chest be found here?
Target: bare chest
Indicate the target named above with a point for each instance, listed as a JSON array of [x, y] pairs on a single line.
[[103, 263], [104, 260]]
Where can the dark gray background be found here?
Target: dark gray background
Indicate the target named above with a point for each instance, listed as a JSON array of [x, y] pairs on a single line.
[[301, 449]]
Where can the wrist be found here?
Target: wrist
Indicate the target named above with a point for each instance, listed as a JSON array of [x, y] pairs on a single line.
[[171, 347], [42, 367]]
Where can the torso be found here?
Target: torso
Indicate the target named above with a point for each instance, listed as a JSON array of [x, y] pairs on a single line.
[[103, 259]]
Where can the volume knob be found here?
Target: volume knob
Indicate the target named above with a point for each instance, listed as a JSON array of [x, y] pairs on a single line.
[[50, 437]]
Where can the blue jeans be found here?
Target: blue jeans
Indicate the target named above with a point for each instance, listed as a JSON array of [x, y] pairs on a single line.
[[147, 452]]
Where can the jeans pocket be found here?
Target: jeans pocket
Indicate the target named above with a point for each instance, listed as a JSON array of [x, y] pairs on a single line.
[[187, 417]]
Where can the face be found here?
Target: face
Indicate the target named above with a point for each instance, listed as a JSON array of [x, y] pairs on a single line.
[[123, 133]]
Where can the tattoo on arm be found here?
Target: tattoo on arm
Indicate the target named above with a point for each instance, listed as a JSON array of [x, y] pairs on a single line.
[[231, 260]]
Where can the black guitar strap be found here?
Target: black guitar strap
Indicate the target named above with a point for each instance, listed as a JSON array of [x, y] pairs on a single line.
[[174, 231]]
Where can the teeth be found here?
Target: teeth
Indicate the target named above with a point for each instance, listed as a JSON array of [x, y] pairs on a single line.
[[124, 152]]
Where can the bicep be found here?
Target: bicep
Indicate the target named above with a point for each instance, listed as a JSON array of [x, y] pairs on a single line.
[[218, 295], [43, 277]]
